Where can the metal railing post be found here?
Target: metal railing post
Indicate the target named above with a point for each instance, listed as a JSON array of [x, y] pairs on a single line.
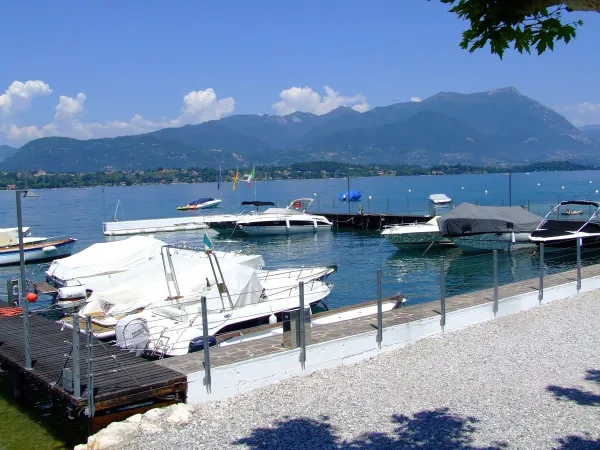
[[578, 264], [379, 310], [23, 286], [302, 326], [407, 206], [541, 288], [207, 380], [91, 408], [75, 358], [495, 282], [443, 293]]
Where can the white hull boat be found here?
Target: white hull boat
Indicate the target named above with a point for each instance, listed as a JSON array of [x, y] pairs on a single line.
[[202, 203], [416, 235], [284, 221], [35, 249]]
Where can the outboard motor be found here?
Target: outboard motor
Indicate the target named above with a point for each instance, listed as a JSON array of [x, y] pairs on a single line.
[[132, 333]]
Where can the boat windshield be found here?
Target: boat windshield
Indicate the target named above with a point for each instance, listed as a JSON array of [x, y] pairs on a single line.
[[580, 211]]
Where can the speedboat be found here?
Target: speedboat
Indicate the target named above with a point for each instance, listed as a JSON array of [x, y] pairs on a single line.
[[201, 203], [487, 228], [291, 220], [416, 235], [227, 223], [240, 300], [35, 249], [556, 232]]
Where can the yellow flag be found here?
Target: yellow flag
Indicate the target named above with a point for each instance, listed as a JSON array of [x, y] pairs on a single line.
[[235, 179]]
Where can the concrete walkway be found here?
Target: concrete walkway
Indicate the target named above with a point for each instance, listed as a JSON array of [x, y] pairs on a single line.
[[528, 381]]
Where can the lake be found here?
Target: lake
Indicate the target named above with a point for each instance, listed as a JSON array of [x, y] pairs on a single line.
[[79, 213]]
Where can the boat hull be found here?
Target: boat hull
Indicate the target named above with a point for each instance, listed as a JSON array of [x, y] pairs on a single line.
[[418, 240], [205, 205], [492, 241], [569, 242], [266, 230], [45, 251]]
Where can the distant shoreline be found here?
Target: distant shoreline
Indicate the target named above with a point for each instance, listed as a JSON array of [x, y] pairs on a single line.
[[298, 171]]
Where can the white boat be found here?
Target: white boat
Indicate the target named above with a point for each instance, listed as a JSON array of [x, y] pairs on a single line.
[[557, 232], [416, 235], [35, 249], [439, 204], [201, 203], [291, 220], [227, 223], [169, 328], [487, 228]]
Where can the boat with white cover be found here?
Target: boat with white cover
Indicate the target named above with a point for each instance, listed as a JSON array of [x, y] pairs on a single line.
[[291, 220], [416, 235], [126, 264], [35, 249], [487, 228], [235, 297], [559, 232]]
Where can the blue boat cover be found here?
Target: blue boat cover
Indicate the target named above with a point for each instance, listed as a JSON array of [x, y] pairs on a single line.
[[351, 196], [201, 200]]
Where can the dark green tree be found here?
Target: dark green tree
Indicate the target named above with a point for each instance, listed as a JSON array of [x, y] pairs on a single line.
[[520, 24]]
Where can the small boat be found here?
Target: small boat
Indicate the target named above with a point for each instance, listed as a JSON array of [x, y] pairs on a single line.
[[35, 249], [291, 220], [201, 203], [487, 228], [439, 204], [565, 232], [350, 196], [570, 212], [227, 223], [416, 235]]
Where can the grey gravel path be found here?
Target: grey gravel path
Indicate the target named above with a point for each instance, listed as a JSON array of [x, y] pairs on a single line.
[[527, 381]]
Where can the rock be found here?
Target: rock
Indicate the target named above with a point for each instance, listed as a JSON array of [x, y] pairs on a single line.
[[149, 428], [153, 414], [80, 447], [136, 418], [179, 414], [114, 437]]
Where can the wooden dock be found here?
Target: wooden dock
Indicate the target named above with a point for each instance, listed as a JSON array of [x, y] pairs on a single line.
[[120, 379], [373, 221]]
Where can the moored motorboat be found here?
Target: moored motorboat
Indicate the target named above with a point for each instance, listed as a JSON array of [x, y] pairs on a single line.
[[35, 249], [282, 221], [487, 228], [556, 232], [227, 223], [416, 235], [201, 203]]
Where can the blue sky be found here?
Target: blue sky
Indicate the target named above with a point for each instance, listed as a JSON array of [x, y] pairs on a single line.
[[143, 58]]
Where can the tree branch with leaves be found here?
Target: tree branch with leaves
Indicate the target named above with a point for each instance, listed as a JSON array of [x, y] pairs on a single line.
[[522, 24]]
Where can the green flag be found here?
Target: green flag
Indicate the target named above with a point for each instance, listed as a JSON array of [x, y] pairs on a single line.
[[207, 243]]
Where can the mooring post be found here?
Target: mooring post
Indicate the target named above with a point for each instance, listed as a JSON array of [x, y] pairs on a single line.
[[541, 288], [302, 326], [407, 206], [91, 408], [443, 293], [379, 310], [578, 264], [75, 358], [206, 343], [388, 205], [495, 282], [333, 202]]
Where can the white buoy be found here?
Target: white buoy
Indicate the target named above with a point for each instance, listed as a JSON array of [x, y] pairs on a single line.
[[596, 191], [409, 190], [538, 184], [486, 192], [370, 197], [462, 187], [590, 181], [563, 187], [272, 319]]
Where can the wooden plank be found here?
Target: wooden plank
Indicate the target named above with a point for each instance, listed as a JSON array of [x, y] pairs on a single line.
[[45, 288]]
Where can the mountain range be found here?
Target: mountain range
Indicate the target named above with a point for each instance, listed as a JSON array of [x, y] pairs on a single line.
[[499, 126]]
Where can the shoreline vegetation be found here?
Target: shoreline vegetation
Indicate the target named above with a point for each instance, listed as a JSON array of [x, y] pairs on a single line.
[[312, 170]]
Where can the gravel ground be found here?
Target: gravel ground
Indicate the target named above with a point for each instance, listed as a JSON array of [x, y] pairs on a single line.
[[527, 381]]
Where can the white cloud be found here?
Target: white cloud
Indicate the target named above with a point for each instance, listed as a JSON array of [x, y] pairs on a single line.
[[586, 113], [416, 99], [306, 100], [18, 96], [198, 106]]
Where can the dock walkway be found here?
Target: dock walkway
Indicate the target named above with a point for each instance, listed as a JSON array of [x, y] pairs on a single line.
[[223, 356], [120, 378]]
